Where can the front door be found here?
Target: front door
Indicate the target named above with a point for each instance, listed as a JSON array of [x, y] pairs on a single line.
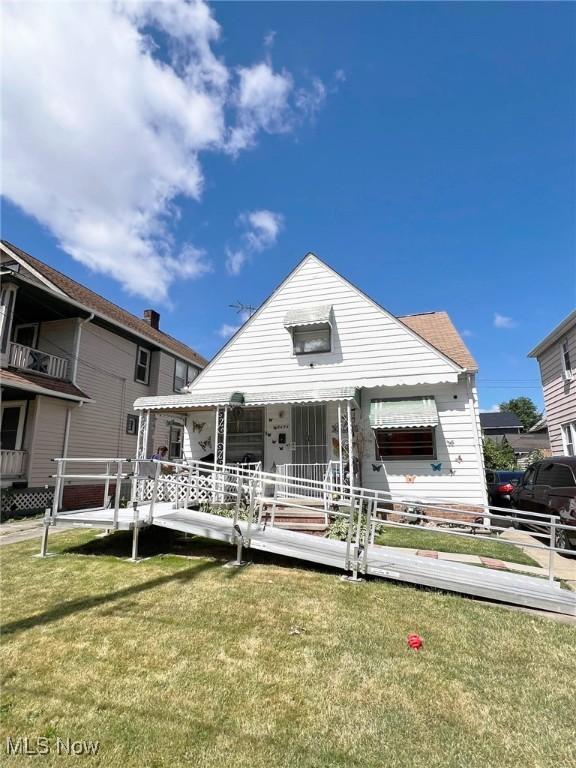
[[308, 434]]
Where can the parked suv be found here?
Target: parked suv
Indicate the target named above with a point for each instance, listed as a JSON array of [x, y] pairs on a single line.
[[500, 483], [549, 486]]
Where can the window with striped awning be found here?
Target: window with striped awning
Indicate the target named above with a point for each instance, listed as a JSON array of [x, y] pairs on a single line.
[[399, 413]]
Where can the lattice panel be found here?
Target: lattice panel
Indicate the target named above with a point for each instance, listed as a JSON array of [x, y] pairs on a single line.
[[195, 489], [30, 498]]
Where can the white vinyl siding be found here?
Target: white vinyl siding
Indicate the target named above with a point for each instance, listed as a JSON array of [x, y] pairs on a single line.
[[368, 346]]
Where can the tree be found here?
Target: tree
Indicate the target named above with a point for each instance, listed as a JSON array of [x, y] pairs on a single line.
[[498, 455], [525, 409]]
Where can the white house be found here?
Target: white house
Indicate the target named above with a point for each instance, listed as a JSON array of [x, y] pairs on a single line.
[[322, 373]]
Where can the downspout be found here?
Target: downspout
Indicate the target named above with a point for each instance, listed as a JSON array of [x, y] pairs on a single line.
[[80, 404], [77, 345], [477, 443]]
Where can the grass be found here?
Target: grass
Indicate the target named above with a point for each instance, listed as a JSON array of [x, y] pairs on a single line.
[[178, 661], [418, 538]]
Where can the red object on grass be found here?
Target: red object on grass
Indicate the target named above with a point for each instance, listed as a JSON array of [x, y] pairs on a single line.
[[415, 642]]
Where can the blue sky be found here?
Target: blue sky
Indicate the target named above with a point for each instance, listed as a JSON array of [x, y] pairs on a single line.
[[425, 150]]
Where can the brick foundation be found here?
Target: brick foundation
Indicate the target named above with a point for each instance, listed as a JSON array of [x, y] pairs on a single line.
[[86, 496]]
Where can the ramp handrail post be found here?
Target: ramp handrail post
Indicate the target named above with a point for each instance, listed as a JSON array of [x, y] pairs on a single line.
[[235, 520], [106, 485], [252, 486], [117, 492], [135, 532], [57, 489], [273, 516], [44, 542], [155, 492], [350, 527], [369, 516], [551, 552]]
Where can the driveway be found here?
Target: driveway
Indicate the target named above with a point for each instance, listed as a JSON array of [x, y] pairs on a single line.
[[564, 567]]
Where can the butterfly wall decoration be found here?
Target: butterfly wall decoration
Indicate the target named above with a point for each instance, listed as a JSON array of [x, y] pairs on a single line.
[[206, 444], [198, 426], [452, 472], [376, 467], [459, 459], [335, 443], [436, 467], [450, 442], [334, 429], [410, 478]]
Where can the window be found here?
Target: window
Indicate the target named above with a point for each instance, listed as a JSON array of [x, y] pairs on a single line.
[[131, 424], [555, 475], [569, 438], [184, 374], [310, 339], [26, 334], [405, 443], [12, 424], [245, 438], [142, 374], [566, 364], [175, 442]]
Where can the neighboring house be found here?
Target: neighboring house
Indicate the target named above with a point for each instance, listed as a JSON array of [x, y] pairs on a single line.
[[556, 355], [500, 423], [524, 446], [72, 364], [322, 373]]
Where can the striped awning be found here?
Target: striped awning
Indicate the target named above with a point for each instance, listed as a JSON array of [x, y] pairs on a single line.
[[313, 315], [395, 413], [211, 399]]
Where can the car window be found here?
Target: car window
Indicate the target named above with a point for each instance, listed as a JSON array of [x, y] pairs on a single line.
[[490, 477], [529, 476], [555, 475]]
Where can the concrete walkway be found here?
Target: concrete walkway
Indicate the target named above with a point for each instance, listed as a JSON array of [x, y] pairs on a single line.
[[24, 530], [564, 567]]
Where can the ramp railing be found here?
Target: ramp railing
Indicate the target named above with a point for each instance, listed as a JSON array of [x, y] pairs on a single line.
[[244, 489]]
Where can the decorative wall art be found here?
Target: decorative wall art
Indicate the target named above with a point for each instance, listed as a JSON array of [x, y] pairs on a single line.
[[206, 444], [410, 478], [376, 467], [436, 467], [459, 459], [198, 426]]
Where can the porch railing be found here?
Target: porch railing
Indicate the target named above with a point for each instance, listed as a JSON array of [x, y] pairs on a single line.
[[30, 359], [12, 463], [315, 473]]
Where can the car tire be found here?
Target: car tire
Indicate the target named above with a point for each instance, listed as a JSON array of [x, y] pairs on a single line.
[[561, 541]]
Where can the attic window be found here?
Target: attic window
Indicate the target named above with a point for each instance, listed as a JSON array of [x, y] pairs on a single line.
[[311, 329], [308, 340]]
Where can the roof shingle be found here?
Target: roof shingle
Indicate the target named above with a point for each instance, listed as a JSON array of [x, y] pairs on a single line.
[[437, 329], [31, 382], [106, 309]]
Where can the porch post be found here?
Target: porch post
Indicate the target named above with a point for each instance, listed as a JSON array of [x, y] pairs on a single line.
[[220, 444], [141, 448], [340, 449], [350, 444]]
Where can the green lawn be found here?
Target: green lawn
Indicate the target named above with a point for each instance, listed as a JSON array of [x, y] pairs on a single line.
[[418, 538], [178, 661]]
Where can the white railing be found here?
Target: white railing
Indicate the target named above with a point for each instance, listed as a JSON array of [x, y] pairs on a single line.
[[365, 510], [12, 463], [30, 359], [304, 472]]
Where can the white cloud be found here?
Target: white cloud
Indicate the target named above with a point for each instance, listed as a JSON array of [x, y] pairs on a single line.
[[493, 409], [101, 135], [261, 231], [501, 321], [227, 330], [466, 333]]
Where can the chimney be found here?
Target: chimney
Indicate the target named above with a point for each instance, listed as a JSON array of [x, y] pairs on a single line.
[[152, 317]]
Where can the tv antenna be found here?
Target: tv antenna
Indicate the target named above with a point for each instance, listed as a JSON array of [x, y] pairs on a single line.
[[243, 308]]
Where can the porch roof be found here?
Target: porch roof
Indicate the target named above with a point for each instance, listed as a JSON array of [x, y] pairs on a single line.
[[410, 412], [213, 399], [310, 315]]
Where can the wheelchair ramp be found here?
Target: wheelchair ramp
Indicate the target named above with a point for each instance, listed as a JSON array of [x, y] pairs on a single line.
[[381, 562]]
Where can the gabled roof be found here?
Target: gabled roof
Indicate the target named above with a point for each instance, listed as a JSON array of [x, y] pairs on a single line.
[[555, 335], [437, 329], [42, 385], [499, 420], [103, 308]]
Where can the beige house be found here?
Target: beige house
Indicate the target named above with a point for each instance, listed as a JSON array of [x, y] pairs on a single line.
[[556, 355], [72, 365]]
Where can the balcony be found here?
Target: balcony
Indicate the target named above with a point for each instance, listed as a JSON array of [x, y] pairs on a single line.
[[12, 463], [36, 361]]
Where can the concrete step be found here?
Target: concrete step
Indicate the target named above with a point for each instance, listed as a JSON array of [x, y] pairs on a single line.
[[308, 502], [293, 512]]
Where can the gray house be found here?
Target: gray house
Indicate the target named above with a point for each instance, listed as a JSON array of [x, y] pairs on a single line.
[[72, 364], [556, 355]]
